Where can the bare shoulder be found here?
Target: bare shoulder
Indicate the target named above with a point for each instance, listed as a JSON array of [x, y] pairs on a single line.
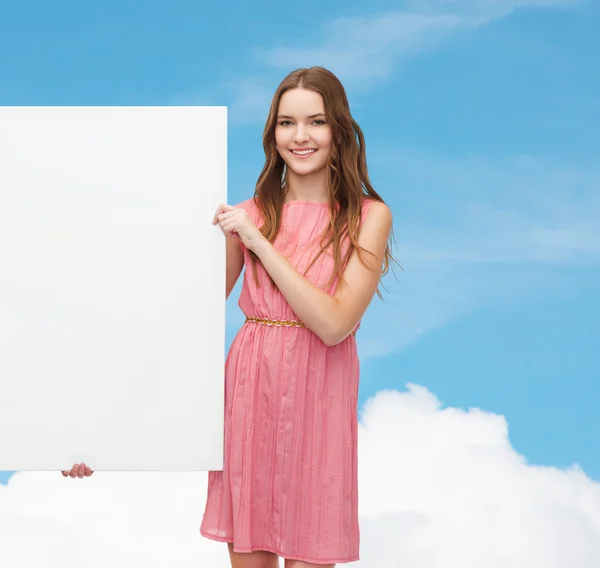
[[379, 208], [378, 221]]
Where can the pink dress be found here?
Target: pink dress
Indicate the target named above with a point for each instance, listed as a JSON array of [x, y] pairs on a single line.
[[289, 483]]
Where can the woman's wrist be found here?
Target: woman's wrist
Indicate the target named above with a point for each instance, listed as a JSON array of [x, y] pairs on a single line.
[[260, 246]]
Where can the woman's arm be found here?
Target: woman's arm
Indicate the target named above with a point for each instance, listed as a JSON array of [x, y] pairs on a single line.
[[235, 263], [333, 318]]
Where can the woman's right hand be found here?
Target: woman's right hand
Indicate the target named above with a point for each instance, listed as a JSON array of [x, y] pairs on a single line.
[[79, 470]]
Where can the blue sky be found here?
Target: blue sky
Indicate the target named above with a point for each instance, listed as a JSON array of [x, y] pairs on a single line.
[[482, 124]]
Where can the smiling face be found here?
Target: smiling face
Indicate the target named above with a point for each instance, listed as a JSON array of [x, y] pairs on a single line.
[[302, 134]]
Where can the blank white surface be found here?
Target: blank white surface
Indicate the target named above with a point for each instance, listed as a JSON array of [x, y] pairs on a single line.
[[112, 279]]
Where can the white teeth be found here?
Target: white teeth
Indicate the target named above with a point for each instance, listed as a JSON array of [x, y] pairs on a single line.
[[304, 152]]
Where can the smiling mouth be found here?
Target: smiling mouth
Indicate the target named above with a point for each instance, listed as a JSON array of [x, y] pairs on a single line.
[[303, 153]]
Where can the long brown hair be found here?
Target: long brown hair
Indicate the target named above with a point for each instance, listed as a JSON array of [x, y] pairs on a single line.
[[347, 175]]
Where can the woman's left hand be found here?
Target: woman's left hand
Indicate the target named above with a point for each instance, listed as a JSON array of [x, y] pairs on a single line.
[[235, 221]]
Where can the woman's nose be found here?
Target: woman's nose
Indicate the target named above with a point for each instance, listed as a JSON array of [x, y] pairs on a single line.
[[300, 135]]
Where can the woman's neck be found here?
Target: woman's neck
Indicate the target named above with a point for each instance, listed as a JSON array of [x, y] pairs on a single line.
[[307, 188]]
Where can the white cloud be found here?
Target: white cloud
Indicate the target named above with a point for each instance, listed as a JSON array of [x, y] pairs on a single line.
[[458, 495], [438, 487]]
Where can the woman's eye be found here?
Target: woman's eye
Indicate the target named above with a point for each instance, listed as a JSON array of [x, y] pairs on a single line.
[[318, 122]]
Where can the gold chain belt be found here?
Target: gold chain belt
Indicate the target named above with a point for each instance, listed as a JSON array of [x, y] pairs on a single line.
[[279, 323]]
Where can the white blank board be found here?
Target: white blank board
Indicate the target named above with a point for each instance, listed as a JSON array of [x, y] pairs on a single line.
[[112, 287]]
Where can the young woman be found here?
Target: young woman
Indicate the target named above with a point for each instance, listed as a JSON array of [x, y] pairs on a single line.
[[314, 241]]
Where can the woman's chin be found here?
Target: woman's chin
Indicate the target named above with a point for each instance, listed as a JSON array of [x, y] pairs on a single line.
[[307, 170]]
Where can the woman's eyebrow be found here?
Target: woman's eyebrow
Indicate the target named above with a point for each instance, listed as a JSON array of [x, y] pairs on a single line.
[[311, 116]]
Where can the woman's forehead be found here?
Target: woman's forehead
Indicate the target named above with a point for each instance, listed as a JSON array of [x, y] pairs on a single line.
[[301, 103]]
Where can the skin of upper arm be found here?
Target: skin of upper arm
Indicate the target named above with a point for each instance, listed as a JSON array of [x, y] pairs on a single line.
[[235, 263], [362, 276]]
